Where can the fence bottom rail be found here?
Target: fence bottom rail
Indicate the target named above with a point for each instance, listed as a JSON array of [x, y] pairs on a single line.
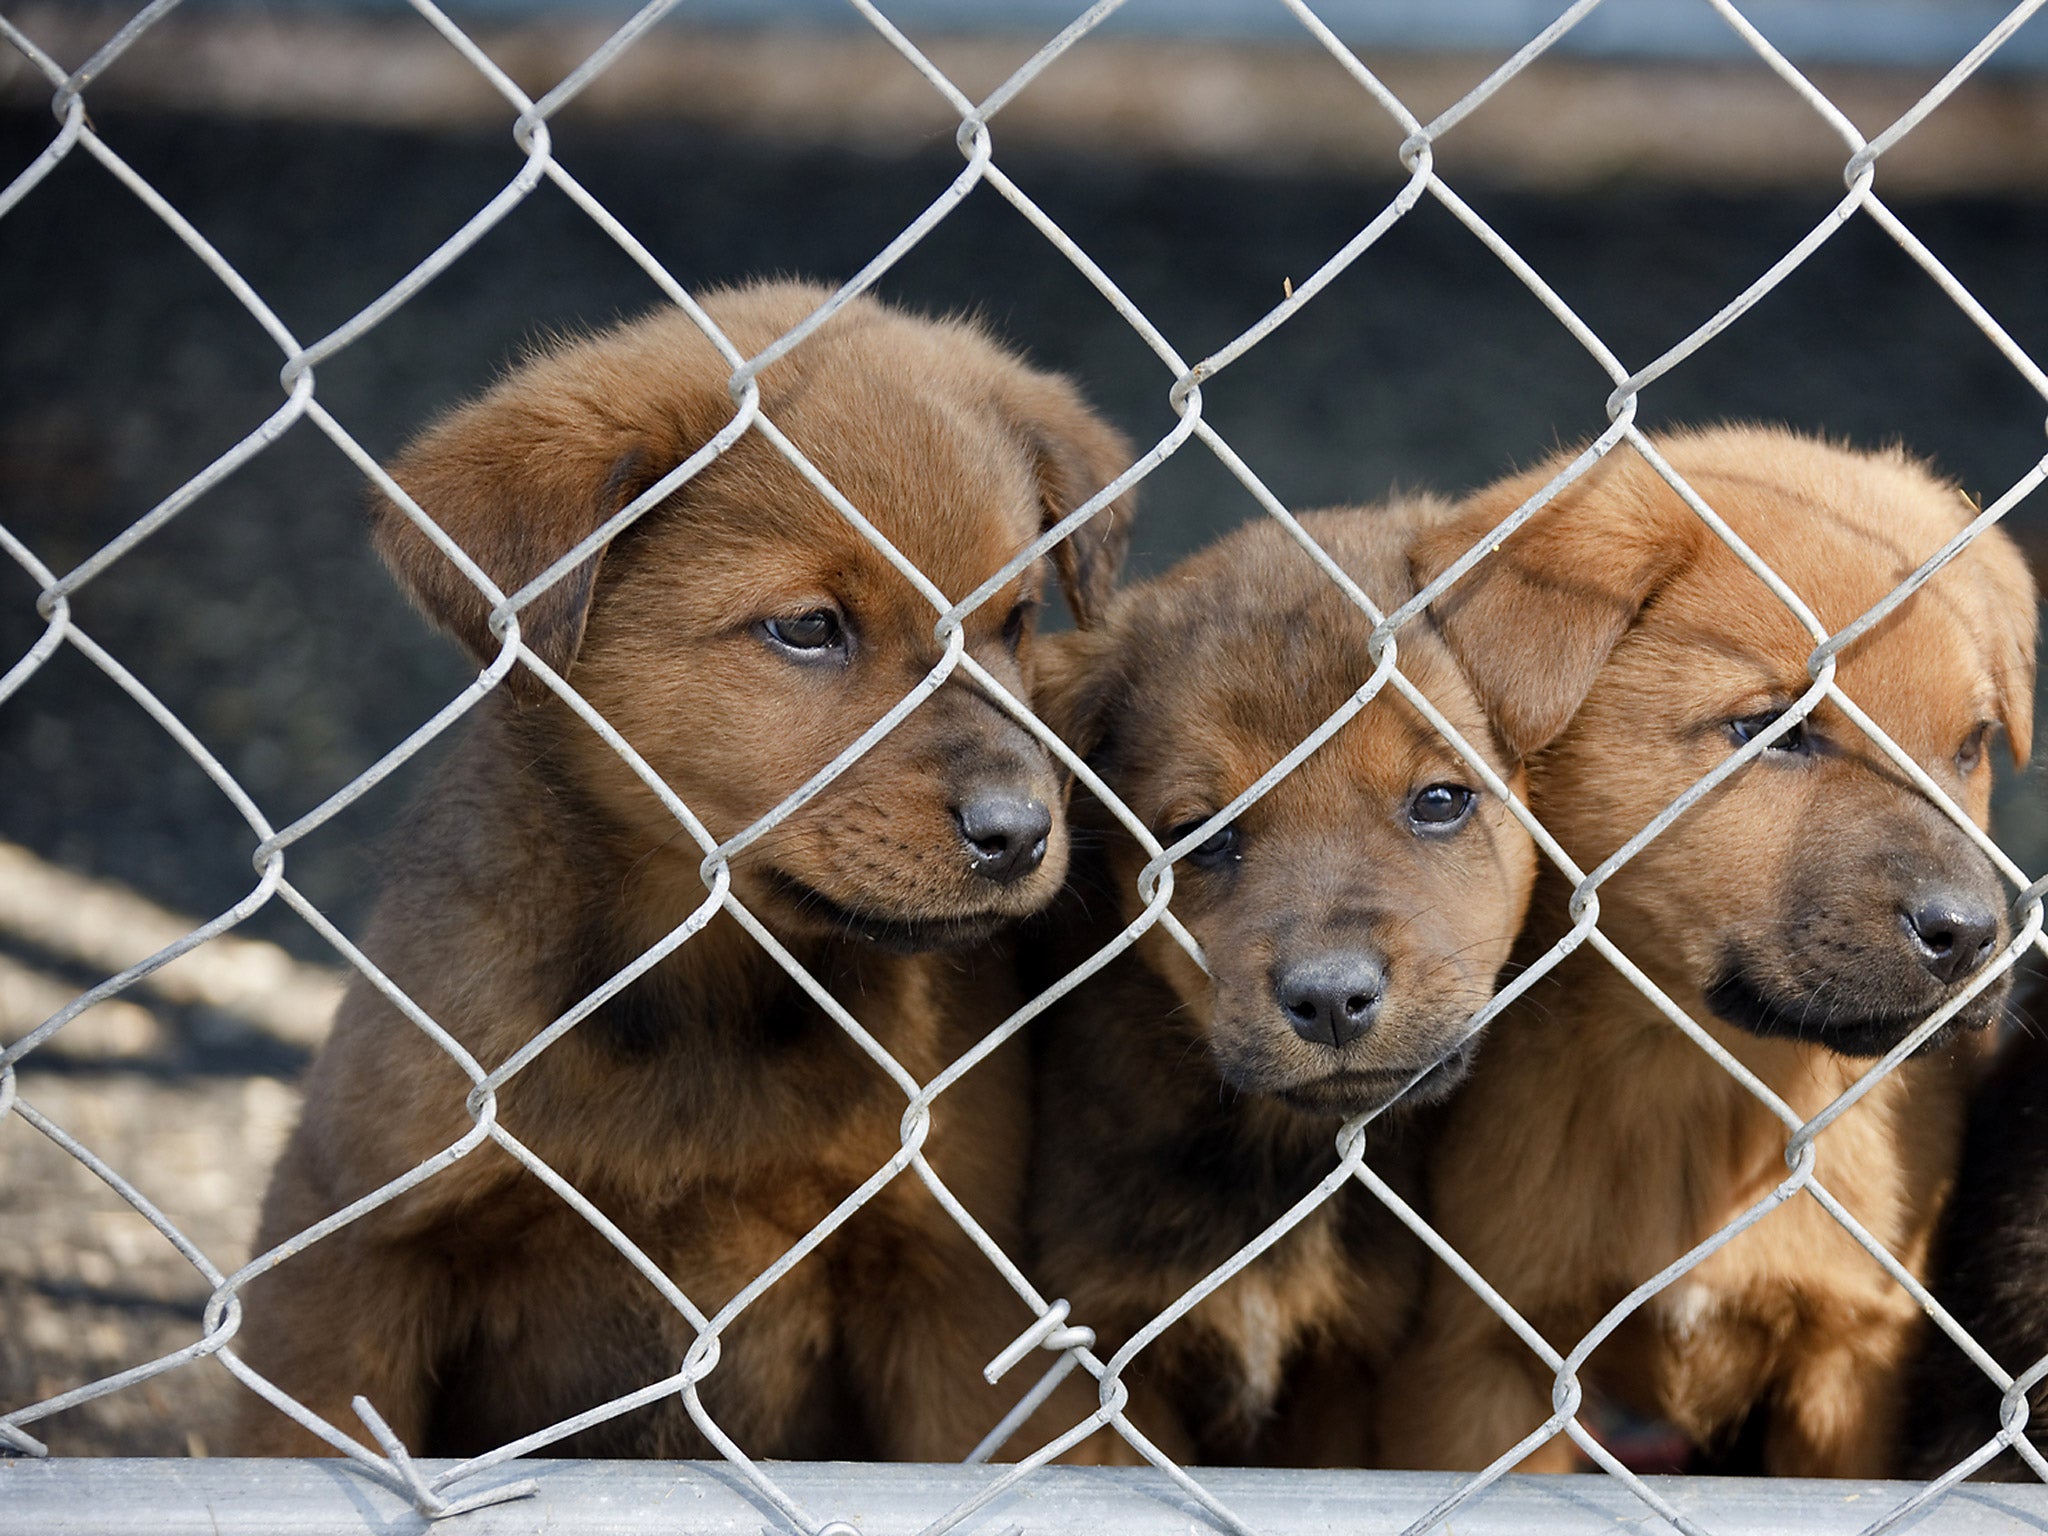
[[310, 1498]]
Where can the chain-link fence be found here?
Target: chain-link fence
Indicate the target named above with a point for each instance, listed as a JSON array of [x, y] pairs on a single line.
[[741, 1490]]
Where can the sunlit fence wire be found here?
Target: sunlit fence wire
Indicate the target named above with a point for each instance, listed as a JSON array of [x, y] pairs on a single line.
[[805, 1500]]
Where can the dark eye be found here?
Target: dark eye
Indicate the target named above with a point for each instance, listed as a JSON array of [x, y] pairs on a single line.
[[1015, 625], [1440, 807], [1218, 848], [1795, 740], [811, 633], [1971, 752]]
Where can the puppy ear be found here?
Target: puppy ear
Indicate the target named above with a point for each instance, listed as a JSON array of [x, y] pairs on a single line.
[[540, 461], [1076, 454], [1533, 622], [2010, 612], [1074, 682]]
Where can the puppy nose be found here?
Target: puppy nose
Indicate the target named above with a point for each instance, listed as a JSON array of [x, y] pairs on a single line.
[[1331, 999], [1952, 932], [1005, 835]]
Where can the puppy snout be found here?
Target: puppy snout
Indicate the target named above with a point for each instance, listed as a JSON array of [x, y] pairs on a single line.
[[1952, 932], [1331, 999], [1005, 834]]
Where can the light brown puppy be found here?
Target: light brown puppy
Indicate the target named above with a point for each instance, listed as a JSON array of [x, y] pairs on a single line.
[[1809, 912], [1353, 919], [739, 636]]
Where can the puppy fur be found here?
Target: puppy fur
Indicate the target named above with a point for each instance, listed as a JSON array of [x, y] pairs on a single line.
[[1991, 1272], [1353, 920], [1595, 1143], [738, 636]]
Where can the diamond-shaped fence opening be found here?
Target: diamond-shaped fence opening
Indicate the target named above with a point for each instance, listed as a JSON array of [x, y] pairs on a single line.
[[459, 1111]]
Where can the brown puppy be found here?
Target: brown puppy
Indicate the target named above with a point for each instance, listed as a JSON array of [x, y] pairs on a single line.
[[1809, 912], [1353, 920], [738, 636]]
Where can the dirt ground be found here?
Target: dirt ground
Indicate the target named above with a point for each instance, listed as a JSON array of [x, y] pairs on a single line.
[[87, 1288], [260, 617], [182, 1085]]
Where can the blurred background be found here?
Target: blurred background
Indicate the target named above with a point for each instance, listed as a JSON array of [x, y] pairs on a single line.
[[1206, 153]]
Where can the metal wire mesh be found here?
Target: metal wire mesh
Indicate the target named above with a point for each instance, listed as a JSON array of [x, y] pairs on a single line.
[[801, 1500]]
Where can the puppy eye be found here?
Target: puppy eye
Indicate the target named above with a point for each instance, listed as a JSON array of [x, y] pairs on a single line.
[[1797, 740], [810, 633], [1440, 807], [1019, 619], [1218, 848], [1971, 752]]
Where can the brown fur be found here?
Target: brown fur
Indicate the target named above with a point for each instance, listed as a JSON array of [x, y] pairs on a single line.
[[1180, 1113], [710, 1109], [1595, 1143]]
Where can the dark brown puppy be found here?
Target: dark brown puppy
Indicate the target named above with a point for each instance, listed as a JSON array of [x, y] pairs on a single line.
[[1991, 1272], [1811, 911], [739, 636], [1352, 920]]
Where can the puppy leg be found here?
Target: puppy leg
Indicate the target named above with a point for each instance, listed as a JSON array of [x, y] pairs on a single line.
[[1329, 1413], [1151, 1410], [948, 1314], [1462, 1395], [1836, 1413], [344, 1318]]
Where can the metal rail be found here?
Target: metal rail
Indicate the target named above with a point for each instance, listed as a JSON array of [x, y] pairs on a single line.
[[624, 1498]]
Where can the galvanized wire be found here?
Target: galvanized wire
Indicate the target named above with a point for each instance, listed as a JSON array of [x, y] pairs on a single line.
[[1068, 1340]]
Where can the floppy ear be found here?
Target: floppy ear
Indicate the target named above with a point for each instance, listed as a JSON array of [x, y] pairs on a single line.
[[1076, 454], [1075, 678], [519, 476], [1533, 622], [2010, 614]]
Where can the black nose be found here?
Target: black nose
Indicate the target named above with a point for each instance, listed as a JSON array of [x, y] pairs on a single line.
[[1005, 835], [1332, 998], [1952, 932]]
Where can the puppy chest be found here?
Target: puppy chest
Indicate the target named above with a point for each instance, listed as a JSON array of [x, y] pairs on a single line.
[[1246, 1336], [1711, 1351], [1687, 1308], [1687, 1350]]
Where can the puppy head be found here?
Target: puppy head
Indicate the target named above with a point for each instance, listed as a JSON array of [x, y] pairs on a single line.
[[1356, 916], [1816, 895], [743, 633]]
